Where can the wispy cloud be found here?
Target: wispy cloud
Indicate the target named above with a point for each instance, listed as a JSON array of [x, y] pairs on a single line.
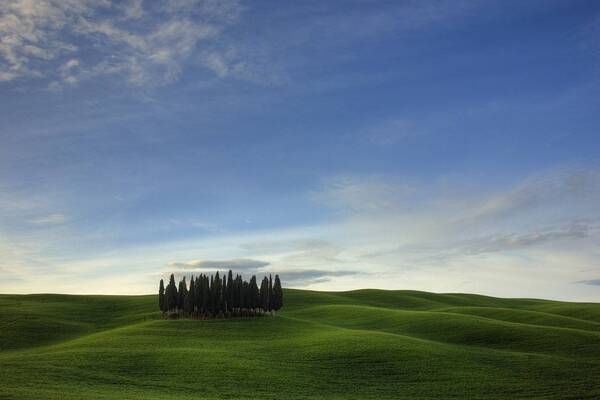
[[49, 219], [594, 282], [237, 264], [363, 194], [307, 277], [155, 57], [392, 131], [580, 185], [248, 267], [444, 251], [30, 33], [445, 243], [135, 40], [513, 241], [327, 26], [132, 9]]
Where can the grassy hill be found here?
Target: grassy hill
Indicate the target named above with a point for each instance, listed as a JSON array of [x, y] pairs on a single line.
[[366, 344]]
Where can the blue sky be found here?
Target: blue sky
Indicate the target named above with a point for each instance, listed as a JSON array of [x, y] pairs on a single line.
[[434, 145]]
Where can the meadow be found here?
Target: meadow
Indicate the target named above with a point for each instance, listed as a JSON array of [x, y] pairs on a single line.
[[365, 344]]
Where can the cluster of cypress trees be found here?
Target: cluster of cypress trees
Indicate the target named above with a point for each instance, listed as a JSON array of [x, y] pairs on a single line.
[[213, 296]]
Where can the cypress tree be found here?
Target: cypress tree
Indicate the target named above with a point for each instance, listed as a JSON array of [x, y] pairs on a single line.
[[230, 290], [264, 294], [205, 294], [167, 297], [182, 293], [277, 294], [199, 290], [217, 294], [245, 302], [238, 291], [214, 295], [254, 293], [234, 294], [271, 296], [193, 292], [188, 304], [224, 294], [211, 296], [161, 296], [171, 294]]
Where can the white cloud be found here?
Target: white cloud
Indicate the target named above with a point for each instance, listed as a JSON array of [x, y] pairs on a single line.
[[49, 219], [360, 194], [574, 189], [595, 282], [225, 10], [217, 63], [132, 9], [153, 58], [237, 264], [444, 244], [392, 131], [466, 240], [134, 39], [30, 33]]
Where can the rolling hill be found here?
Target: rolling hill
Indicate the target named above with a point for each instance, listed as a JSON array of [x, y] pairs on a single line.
[[365, 344]]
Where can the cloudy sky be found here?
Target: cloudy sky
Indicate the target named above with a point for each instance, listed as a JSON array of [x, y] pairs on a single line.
[[444, 146]]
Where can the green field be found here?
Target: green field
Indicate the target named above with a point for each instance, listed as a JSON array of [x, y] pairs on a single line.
[[367, 344]]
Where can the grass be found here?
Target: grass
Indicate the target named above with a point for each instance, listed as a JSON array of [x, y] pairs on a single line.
[[366, 344]]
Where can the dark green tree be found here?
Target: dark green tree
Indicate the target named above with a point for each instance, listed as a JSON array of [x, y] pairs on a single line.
[[264, 294], [188, 300], [212, 295], [224, 294], [192, 293], [277, 294], [181, 294], [271, 295], [217, 294], [199, 291], [254, 293], [161, 296], [230, 290], [171, 294], [234, 301], [245, 296], [205, 294]]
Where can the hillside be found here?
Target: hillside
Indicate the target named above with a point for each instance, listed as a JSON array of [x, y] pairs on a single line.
[[343, 345]]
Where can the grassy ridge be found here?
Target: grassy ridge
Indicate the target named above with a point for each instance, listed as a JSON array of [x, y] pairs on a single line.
[[351, 345]]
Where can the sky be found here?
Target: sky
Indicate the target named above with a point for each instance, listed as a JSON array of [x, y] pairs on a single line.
[[445, 146]]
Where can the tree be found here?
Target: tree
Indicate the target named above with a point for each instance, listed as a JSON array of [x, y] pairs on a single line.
[[235, 297], [192, 293], [245, 296], [171, 294], [212, 295], [271, 296], [205, 294], [230, 290], [188, 301], [277, 294], [264, 294], [199, 292], [217, 294], [182, 293], [254, 293], [161, 296], [224, 294]]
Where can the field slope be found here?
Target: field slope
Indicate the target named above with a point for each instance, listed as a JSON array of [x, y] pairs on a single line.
[[366, 344]]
